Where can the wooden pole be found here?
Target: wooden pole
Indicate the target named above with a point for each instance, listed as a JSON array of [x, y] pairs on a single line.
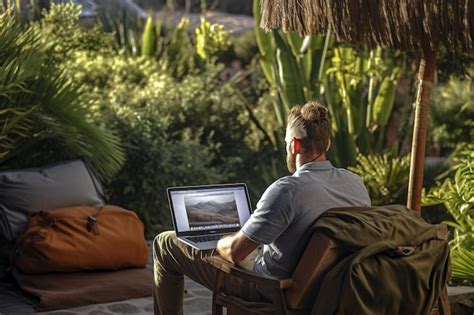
[[426, 74]]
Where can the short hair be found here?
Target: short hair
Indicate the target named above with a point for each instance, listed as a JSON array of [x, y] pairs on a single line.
[[310, 123]]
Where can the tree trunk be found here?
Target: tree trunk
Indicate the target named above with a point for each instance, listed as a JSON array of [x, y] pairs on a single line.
[[425, 81]]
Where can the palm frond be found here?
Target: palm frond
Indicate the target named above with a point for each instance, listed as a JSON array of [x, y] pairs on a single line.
[[457, 195], [385, 178], [38, 101]]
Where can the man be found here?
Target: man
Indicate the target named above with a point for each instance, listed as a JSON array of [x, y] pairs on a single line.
[[284, 213]]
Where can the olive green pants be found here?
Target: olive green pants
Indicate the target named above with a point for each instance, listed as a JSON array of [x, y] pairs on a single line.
[[173, 259]]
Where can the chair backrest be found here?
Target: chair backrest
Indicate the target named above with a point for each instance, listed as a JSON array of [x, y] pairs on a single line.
[[320, 255]]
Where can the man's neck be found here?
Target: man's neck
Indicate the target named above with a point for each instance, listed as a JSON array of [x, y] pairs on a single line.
[[304, 159]]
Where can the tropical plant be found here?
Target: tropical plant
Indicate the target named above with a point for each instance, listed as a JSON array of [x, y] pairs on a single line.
[[39, 103], [59, 32], [385, 178], [359, 90], [127, 29], [191, 130], [179, 56], [25, 11], [245, 48], [149, 38], [462, 151], [210, 39], [292, 65], [175, 49], [452, 113], [457, 195], [358, 86]]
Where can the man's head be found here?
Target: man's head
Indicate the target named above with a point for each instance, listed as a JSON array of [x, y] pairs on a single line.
[[307, 133]]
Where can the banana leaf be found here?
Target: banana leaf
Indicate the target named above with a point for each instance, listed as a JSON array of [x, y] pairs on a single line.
[[295, 42], [40, 102], [289, 74], [383, 103], [314, 49]]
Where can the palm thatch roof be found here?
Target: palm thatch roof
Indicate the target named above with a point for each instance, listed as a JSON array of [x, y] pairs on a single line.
[[400, 24]]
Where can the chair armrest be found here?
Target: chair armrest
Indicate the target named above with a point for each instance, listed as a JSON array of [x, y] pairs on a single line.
[[239, 272]]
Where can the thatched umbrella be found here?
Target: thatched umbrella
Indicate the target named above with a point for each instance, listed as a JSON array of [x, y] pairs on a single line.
[[409, 25]]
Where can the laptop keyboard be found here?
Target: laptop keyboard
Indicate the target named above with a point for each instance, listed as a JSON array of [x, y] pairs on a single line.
[[206, 238]]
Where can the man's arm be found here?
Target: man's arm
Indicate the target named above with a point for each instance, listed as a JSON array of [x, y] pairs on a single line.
[[236, 247]]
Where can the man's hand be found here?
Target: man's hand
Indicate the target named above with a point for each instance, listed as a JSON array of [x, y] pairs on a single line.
[[236, 247]]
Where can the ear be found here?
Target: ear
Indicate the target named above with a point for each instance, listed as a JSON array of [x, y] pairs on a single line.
[[296, 146]]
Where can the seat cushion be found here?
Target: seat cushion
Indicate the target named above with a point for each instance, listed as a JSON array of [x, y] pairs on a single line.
[[72, 289], [23, 192]]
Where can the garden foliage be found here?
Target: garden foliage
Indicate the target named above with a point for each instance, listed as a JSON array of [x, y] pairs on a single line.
[[174, 132], [457, 195], [385, 178], [178, 123], [153, 106], [42, 112], [357, 85], [452, 113]]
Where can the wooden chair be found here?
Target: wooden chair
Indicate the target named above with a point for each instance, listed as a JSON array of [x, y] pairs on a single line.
[[292, 296]]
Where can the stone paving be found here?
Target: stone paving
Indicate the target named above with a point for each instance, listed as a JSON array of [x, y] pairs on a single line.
[[197, 301]]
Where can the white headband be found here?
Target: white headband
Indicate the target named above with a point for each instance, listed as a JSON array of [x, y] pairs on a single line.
[[295, 129]]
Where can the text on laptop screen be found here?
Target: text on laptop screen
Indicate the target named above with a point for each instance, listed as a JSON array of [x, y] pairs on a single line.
[[210, 209]]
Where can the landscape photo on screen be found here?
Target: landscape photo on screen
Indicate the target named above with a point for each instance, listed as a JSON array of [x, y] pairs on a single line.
[[211, 209]]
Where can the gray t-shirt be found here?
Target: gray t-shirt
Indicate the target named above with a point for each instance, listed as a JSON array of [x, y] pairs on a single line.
[[290, 205]]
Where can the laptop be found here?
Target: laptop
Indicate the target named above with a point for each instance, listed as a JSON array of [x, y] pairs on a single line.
[[203, 214]]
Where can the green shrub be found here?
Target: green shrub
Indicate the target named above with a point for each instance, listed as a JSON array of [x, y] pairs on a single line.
[[178, 122], [40, 108], [60, 32], [153, 163], [245, 46], [211, 39], [452, 113], [386, 178], [457, 195], [175, 132]]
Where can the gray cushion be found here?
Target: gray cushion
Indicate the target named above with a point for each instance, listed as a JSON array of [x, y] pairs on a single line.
[[23, 192]]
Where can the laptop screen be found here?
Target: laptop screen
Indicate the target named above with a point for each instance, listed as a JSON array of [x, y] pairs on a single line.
[[209, 209]]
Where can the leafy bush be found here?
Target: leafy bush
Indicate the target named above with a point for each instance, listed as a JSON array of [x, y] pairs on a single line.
[[245, 47], [357, 84], [177, 51], [178, 127], [60, 32], [452, 113], [210, 39], [154, 162], [457, 195], [41, 108], [175, 133], [386, 178], [178, 122]]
